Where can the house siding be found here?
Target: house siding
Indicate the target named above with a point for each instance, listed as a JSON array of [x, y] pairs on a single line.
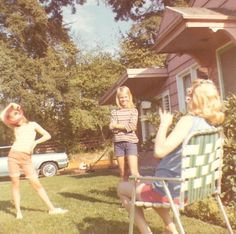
[[167, 21], [177, 64], [227, 4]]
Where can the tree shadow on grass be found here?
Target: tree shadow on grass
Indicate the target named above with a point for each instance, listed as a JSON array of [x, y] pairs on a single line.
[[98, 225], [8, 206], [109, 192], [86, 198], [33, 209]]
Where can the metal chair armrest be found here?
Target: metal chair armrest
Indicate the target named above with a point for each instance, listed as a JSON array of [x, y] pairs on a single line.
[[152, 178]]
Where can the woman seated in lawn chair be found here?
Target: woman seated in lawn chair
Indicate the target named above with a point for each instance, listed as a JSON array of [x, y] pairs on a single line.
[[204, 112]]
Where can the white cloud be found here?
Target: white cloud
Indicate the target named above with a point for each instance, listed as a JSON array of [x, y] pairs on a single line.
[[80, 21], [94, 25]]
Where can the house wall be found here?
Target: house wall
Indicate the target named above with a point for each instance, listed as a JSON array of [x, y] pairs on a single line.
[[227, 4], [227, 68], [166, 21], [177, 63]]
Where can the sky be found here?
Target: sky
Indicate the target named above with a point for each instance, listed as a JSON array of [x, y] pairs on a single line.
[[94, 25]]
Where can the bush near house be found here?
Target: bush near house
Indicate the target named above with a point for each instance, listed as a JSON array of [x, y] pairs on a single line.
[[208, 209], [229, 169]]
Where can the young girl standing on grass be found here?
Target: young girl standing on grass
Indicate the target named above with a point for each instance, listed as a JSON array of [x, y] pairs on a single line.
[[20, 155], [123, 124], [204, 112]]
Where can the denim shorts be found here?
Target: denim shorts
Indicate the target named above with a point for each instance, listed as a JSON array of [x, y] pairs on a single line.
[[125, 148]]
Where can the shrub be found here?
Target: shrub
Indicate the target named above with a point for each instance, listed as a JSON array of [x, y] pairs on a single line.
[[229, 168], [209, 210]]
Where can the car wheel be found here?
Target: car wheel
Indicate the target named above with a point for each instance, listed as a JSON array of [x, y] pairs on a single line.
[[49, 169]]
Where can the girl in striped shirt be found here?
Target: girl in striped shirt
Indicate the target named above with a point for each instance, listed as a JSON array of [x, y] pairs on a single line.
[[123, 124]]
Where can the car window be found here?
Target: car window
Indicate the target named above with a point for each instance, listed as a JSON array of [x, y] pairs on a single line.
[[49, 147]]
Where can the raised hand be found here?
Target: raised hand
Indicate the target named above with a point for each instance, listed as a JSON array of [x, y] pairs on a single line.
[[166, 118]]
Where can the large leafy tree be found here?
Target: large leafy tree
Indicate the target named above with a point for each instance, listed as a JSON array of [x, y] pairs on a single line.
[[32, 26], [39, 85], [37, 59], [41, 70], [96, 72], [136, 46]]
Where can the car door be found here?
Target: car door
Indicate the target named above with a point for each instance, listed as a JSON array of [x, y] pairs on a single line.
[[3, 160]]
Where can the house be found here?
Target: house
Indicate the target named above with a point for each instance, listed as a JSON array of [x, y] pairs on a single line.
[[200, 41]]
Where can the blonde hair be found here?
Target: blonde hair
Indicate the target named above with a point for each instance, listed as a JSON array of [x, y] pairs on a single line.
[[204, 101], [124, 90]]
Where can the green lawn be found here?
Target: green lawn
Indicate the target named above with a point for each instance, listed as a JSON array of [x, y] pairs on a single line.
[[93, 208]]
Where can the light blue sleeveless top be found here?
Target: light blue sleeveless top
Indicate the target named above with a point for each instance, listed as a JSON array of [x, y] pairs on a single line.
[[170, 165]]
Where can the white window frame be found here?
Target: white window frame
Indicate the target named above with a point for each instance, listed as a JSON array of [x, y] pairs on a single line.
[[162, 96], [219, 51], [192, 70]]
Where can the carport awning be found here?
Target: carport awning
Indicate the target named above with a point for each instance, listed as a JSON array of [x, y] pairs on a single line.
[[143, 83], [195, 30]]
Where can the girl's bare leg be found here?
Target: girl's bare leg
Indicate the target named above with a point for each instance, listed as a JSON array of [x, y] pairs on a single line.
[[41, 192], [125, 193], [123, 168], [133, 165], [16, 195], [165, 215]]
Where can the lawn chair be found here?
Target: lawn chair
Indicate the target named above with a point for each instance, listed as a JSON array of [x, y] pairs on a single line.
[[200, 177]]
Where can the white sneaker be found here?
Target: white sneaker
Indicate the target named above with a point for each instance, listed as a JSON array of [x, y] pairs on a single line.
[[19, 216], [57, 211]]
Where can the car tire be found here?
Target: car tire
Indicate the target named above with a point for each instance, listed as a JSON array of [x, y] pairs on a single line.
[[48, 169]]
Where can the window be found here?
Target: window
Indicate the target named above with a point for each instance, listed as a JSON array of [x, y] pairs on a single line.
[[184, 80], [163, 101], [166, 101], [226, 69]]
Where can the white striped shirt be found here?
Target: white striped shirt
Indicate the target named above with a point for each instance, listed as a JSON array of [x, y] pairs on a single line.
[[128, 118]]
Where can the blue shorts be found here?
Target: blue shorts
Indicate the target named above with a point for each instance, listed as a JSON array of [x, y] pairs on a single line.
[[125, 148]]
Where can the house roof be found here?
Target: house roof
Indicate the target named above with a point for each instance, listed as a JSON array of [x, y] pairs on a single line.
[[189, 29], [143, 82]]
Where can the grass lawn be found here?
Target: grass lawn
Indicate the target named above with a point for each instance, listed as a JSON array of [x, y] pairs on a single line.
[[93, 208]]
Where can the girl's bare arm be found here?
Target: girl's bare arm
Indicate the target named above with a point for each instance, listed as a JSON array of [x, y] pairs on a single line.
[[14, 105], [166, 144], [45, 136]]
